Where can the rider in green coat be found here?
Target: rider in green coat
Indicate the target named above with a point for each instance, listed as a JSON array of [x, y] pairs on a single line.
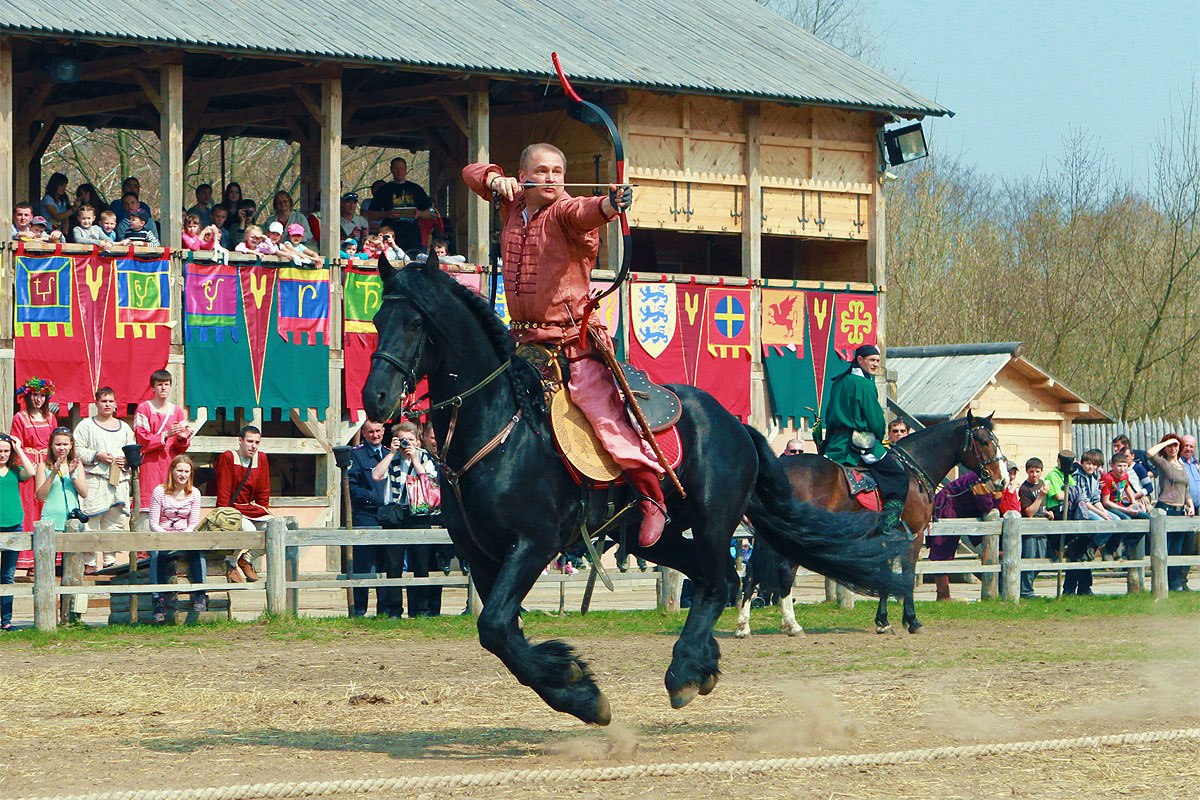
[[854, 431]]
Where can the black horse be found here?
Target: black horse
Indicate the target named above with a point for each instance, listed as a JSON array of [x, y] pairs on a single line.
[[928, 456], [510, 505]]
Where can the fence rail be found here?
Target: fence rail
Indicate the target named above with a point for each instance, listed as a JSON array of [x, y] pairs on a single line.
[[1000, 563]]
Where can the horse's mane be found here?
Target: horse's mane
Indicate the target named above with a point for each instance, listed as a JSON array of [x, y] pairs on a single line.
[[428, 288]]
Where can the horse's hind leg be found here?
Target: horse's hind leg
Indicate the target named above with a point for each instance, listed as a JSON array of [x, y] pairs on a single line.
[[787, 607], [552, 669], [881, 619], [743, 623]]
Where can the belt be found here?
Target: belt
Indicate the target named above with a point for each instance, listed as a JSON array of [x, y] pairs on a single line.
[[523, 325]]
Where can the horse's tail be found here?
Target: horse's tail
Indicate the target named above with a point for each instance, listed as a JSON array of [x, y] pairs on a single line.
[[838, 545]]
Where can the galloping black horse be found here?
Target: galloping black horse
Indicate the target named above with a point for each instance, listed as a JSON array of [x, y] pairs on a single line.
[[510, 505]]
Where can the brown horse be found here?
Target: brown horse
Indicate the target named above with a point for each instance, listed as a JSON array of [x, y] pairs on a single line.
[[928, 456]]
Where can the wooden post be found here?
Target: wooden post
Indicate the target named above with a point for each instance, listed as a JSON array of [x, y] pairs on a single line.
[[44, 616], [170, 156], [751, 222], [1135, 577], [672, 588], [292, 555], [478, 151], [331, 167], [7, 198], [72, 574], [1158, 554], [830, 590], [474, 603], [1010, 567], [844, 596], [276, 567], [989, 555]]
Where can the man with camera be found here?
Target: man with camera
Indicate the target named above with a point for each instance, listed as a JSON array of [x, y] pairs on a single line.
[[99, 441], [413, 501]]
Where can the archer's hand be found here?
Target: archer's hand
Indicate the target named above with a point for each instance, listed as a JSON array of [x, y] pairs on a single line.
[[620, 196], [506, 188]]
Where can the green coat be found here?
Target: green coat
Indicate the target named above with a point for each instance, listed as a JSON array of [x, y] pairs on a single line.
[[852, 405]]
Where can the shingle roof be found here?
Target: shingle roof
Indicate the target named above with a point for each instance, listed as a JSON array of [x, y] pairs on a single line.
[[728, 47]]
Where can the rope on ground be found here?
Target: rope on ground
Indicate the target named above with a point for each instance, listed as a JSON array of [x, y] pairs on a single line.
[[483, 779]]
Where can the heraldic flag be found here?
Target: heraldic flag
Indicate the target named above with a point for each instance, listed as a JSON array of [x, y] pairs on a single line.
[[85, 321], [693, 334], [254, 337]]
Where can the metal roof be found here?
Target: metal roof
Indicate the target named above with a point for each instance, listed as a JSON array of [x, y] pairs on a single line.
[[727, 47]]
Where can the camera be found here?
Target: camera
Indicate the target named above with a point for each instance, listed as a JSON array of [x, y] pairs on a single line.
[[75, 513]]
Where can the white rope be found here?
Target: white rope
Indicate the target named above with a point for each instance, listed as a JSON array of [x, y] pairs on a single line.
[[418, 783]]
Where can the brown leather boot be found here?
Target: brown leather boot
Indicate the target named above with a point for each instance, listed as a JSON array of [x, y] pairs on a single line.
[[942, 582], [646, 482]]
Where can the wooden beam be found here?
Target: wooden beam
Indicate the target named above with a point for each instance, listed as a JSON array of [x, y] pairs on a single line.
[[104, 68], [478, 152], [330, 178], [41, 140], [751, 222], [265, 81], [405, 95], [456, 114], [170, 155], [149, 88], [276, 112], [95, 105], [311, 102], [7, 131], [31, 104], [1076, 408]]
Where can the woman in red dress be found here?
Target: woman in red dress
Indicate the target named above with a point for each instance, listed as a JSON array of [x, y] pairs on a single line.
[[32, 427]]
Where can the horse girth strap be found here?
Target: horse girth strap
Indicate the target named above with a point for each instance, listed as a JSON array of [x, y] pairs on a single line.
[[610, 360]]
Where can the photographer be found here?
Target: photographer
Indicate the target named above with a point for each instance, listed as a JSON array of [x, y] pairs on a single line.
[[413, 501]]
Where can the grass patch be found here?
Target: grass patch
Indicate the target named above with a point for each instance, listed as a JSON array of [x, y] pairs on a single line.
[[816, 618]]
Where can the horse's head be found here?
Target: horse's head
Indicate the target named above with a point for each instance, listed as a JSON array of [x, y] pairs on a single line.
[[980, 452], [405, 352]]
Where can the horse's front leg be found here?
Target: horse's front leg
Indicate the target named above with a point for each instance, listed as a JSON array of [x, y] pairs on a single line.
[[881, 619], [787, 608], [552, 669]]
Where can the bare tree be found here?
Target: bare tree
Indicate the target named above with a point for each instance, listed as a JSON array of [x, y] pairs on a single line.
[[845, 24]]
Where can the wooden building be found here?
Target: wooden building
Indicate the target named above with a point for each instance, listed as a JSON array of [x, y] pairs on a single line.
[[755, 146], [1033, 411]]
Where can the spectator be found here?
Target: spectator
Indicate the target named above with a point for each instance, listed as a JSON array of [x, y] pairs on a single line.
[[294, 247], [349, 249], [231, 197], [1032, 496], [372, 248], [203, 207], [108, 224], [44, 232], [1057, 481], [191, 234], [246, 211], [137, 231], [1008, 498], [220, 216], [387, 240], [86, 195], [353, 225], [32, 426], [255, 242], [286, 215], [400, 203], [1085, 481], [99, 440], [175, 506], [414, 501], [61, 481], [441, 249], [123, 207], [1175, 499], [274, 233], [15, 469], [162, 429], [1141, 465], [1187, 454], [962, 498], [87, 231], [794, 447], [22, 222], [244, 484], [367, 496], [897, 429], [1118, 498], [56, 204]]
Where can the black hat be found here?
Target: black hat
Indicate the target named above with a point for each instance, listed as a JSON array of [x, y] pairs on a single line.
[[865, 350]]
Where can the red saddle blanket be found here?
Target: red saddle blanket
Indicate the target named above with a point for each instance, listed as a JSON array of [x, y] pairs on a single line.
[[669, 441], [860, 484]]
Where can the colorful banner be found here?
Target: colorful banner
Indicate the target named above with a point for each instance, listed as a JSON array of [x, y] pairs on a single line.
[[88, 321], [251, 368], [609, 311], [783, 322], [857, 323], [693, 334], [303, 304], [820, 332]]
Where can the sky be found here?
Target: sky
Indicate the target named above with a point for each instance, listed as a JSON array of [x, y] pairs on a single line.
[[1020, 75]]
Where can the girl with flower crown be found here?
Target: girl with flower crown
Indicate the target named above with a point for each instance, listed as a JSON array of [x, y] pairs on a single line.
[[31, 427]]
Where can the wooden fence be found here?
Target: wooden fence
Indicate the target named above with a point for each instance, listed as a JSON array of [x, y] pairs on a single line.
[[1000, 575], [1142, 433]]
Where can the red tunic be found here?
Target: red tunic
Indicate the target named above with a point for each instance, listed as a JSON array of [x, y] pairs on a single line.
[[158, 446], [256, 492], [34, 436]]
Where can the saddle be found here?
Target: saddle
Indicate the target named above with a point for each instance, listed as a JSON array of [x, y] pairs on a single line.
[[861, 485], [582, 453]]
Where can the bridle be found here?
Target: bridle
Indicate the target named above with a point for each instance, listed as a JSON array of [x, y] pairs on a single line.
[[969, 438], [453, 476]]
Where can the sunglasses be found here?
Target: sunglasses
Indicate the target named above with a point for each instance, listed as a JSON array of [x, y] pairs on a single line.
[[61, 429]]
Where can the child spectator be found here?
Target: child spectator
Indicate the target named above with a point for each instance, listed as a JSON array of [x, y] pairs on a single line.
[[203, 207], [130, 207], [349, 248], [1008, 498], [108, 224], [138, 232], [87, 231], [42, 231], [246, 210], [15, 469], [387, 239], [372, 247], [294, 248], [255, 242], [1118, 497], [22, 224], [192, 240], [175, 506], [220, 215], [275, 235], [61, 481], [441, 249], [1032, 496]]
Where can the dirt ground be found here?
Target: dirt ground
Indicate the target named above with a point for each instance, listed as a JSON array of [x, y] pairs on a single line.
[[255, 708]]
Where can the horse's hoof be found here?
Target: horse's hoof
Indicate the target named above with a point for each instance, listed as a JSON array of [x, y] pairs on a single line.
[[708, 684], [684, 695], [742, 633], [574, 672], [796, 631], [916, 628], [884, 629], [603, 711]]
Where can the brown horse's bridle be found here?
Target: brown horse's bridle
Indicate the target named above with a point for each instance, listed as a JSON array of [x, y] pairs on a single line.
[[974, 442]]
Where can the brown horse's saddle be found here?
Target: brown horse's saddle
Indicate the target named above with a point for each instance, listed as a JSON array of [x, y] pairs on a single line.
[[659, 404], [861, 485]]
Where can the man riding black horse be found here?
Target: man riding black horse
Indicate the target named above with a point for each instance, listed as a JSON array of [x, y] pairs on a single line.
[[854, 430]]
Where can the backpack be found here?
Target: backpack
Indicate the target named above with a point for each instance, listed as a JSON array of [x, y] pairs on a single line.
[[221, 519]]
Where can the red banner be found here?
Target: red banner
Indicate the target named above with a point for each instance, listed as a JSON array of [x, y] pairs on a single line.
[[857, 323], [821, 306], [89, 321]]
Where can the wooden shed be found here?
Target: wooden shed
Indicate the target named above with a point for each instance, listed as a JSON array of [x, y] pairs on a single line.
[[1033, 411]]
